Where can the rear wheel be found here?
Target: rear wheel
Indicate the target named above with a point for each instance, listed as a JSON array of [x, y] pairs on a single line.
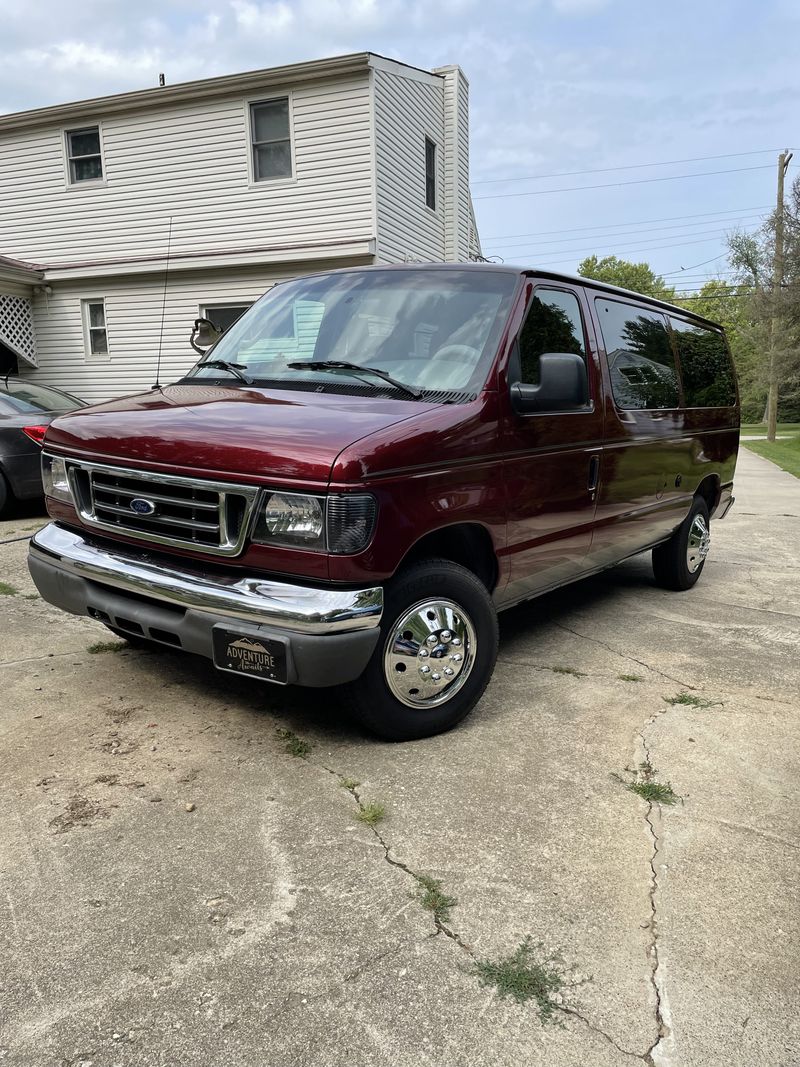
[[435, 655], [678, 563], [5, 496]]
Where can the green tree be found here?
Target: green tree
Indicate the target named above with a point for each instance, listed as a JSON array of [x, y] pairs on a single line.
[[640, 277]]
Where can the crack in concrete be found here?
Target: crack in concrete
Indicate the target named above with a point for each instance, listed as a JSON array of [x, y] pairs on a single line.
[[660, 1051], [441, 927], [624, 655]]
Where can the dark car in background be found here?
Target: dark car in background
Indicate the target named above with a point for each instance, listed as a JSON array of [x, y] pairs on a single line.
[[26, 410]]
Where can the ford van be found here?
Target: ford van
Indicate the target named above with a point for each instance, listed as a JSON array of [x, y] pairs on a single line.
[[371, 463]]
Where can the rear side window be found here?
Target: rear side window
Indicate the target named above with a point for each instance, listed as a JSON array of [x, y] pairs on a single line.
[[553, 324], [639, 354], [706, 368]]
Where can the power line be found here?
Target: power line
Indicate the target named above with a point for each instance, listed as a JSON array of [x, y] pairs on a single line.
[[605, 236], [630, 166], [638, 247], [616, 185], [641, 222], [705, 261]]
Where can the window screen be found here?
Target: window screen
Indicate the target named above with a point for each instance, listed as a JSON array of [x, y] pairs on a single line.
[[83, 152], [706, 368], [639, 355], [553, 324], [272, 146]]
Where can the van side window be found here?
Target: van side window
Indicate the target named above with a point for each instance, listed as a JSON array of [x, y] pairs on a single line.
[[706, 368], [553, 324], [639, 355]]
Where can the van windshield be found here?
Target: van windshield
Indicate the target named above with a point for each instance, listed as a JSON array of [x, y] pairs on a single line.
[[433, 330]]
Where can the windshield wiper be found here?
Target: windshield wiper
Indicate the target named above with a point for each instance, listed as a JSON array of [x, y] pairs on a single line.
[[336, 364], [223, 364]]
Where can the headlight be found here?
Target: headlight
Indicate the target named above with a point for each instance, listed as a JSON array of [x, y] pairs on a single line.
[[54, 478], [341, 524], [292, 520]]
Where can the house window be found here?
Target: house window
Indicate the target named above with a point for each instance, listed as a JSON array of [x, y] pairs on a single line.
[[223, 315], [272, 145], [94, 329], [83, 153], [430, 173]]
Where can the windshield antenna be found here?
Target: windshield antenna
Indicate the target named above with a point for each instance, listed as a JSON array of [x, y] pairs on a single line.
[[163, 306]]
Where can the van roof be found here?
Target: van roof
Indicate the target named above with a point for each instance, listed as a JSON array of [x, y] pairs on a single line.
[[506, 268]]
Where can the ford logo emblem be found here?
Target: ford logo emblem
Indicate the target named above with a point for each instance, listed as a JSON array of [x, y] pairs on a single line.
[[142, 506]]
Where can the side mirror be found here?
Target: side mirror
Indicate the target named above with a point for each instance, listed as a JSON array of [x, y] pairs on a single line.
[[204, 334], [563, 385]]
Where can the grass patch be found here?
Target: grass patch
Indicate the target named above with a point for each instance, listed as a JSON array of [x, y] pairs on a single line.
[[689, 700], [568, 670], [433, 899], [654, 792], [8, 590], [525, 975], [785, 454], [750, 428], [630, 678], [372, 813], [349, 784], [107, 646], [31, 596], [293, 744]]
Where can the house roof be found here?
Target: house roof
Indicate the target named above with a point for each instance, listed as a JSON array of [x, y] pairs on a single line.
[[253, 80], [18, 271]]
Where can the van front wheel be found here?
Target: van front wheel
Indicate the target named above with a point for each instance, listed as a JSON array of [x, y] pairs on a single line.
[[678, 563], [435, 655]]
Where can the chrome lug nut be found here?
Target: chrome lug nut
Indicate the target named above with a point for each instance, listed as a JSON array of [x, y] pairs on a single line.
[[436, 677], [433, 640], [456, 657], [456, 641], [445, 636], [425, 669], [423, 653], [449, 672]]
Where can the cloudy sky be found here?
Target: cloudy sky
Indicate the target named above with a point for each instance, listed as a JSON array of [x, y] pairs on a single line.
[[559, 89]]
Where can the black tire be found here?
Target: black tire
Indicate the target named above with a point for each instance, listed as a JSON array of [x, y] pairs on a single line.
[[671, 561], [6, 497], [371, 700]]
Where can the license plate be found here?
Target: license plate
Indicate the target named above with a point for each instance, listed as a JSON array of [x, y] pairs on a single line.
[[247, 653]]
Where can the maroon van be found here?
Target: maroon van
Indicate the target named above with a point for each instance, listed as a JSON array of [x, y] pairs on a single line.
[[371, 463]]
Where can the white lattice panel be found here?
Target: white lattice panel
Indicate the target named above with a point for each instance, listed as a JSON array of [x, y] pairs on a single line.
[[16, 327]]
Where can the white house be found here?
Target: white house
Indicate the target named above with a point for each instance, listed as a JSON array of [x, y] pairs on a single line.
[[261, 176]]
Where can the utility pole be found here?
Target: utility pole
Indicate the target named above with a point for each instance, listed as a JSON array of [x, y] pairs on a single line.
[[776, 341]]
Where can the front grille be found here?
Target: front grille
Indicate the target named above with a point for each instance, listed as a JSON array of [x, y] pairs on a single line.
[[164, 509]]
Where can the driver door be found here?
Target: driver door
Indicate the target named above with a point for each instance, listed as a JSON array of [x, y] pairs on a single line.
[[553, 460]]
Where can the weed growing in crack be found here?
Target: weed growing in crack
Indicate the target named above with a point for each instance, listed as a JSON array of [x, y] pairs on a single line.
[[691, 701], [526, 974], [654, 792], [293, 744], [433, 899], [349, 783], [630, 678], [107, 646], [568, 670], [371, 813]]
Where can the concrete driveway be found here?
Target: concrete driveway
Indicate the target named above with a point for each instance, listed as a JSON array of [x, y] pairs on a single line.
[[177, 888]]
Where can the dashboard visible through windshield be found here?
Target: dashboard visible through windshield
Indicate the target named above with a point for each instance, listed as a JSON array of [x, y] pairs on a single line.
[[432, 330]]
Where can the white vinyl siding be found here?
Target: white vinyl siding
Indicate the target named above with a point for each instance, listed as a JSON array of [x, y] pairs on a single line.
[[460, 235], [191, 162], [407, 110], [133, 312]]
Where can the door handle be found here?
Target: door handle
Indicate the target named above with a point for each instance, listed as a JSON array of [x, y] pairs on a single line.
[[594, 473]]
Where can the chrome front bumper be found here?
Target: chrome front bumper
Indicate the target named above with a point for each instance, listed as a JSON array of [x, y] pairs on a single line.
[[329, 633]]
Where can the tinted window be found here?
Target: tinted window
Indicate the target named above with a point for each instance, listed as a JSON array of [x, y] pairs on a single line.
[[553, 325], [24, 397], [639, 354], [706, 369]]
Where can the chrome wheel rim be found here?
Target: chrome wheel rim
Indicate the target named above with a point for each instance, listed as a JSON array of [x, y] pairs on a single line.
[[698, 545], [429, 654]]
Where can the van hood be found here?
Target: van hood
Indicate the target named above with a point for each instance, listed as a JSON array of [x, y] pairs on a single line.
[[228, 432]]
